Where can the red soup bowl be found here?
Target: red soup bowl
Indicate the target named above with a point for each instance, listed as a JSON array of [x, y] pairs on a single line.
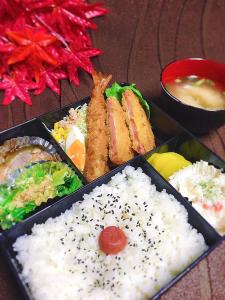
[[197, 120]]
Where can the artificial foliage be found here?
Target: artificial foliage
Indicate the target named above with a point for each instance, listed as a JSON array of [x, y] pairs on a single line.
[[42, 42]]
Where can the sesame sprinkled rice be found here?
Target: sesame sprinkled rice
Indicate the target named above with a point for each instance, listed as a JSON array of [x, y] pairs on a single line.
[[61, 258]]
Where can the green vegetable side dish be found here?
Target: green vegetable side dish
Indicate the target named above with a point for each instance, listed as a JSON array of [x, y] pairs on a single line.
[[117, 90], [33, 186]]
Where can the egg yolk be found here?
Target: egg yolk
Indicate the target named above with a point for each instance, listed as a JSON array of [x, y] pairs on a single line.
[[76, 152]]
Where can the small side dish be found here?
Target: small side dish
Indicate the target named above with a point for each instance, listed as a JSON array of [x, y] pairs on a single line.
[[193, 93], [106, 130], [31, 173], [168, 163], [71, 133], [204, 186], [17, 152], [124, 240], [201, 183]]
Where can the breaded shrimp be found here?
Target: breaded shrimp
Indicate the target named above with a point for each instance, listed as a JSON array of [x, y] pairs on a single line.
[[139, 126], [120, 149], [97, 139]]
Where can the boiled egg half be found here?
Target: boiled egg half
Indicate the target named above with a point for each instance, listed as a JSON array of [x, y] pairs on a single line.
[[75, 147]]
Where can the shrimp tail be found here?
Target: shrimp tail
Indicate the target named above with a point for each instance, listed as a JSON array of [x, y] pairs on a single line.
[[101, 80]]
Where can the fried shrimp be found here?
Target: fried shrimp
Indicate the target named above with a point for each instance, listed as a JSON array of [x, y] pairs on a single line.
[[97, 138], [139, 126], [120, 149]]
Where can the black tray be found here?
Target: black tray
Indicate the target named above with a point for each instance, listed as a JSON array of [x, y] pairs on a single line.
[[35, 127], [212, 238]]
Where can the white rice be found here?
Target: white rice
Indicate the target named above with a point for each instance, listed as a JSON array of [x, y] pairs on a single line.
[[61, 258]]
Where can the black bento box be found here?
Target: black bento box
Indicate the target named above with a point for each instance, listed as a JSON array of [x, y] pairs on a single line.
[[169, 135], [35, 128]]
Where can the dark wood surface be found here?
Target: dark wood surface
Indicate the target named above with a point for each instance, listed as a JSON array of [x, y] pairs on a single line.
[[139, 37]]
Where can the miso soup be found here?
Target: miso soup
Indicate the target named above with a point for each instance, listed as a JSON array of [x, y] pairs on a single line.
[[198, 92]]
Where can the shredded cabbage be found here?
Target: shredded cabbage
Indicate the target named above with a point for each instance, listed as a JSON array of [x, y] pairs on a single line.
[[82, 119], [77, 116]]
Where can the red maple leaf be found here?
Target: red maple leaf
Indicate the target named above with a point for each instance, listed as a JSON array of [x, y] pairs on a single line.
[[78, 7], [78, 59], [50, 78], [31, 46], [32, 43], [16, 86], [63, 14], [76, 34]]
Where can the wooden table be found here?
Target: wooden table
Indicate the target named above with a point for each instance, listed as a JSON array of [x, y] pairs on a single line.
[[138, 39]]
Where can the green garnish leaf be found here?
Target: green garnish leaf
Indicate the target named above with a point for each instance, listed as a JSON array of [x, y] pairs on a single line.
[[117, 91]]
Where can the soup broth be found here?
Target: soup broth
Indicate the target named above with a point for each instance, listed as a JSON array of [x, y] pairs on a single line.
[[198, 92]]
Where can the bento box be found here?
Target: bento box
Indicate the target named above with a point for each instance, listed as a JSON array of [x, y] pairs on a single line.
[[168, 136]]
